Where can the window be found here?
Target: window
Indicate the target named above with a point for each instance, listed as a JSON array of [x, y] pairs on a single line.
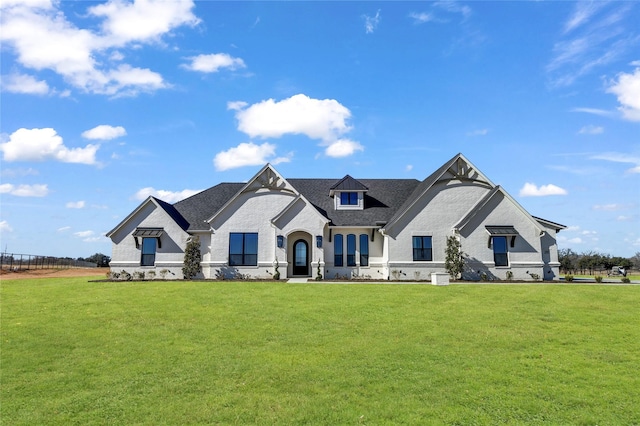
[[500, 257], [351, 250], [337, 250], [422, 249], [243, 249], [148, 252], [349, 198], [364, 250]]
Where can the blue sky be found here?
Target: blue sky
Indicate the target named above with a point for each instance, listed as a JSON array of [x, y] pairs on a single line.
[[106, 103]]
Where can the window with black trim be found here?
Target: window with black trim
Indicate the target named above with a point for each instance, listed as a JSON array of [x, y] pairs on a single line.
[[351, 250], [243, 249], [422, 249], [148, 256], [338, 257], [500, 257], [349, 198], [364, 250]]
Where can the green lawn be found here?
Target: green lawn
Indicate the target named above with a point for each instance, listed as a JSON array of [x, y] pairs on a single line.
[[76, 352]]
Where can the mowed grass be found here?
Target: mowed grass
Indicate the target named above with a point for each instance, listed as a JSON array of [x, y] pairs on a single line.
[[78, 352]]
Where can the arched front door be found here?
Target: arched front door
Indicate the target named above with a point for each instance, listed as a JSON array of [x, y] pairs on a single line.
[[300, 258]]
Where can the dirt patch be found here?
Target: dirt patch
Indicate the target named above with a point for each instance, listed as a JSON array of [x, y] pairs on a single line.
[[52, 273]]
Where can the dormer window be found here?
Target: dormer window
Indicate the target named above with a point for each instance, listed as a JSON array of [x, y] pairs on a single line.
[[349, 198], [348, 194]]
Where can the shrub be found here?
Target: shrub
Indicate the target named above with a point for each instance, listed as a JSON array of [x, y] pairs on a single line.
[[454, 259], [568, 278], [125, 276], [192, 259], [598, 278], [484, 276], [509, 275], [138, 275], [625, 280], [151, 275], [163, 273]]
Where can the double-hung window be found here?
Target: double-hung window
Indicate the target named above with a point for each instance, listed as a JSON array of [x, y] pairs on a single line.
[[364, 250], [422, 249], [148, 257], [338, 258], [243, 249], [351, 250], [500, 257]]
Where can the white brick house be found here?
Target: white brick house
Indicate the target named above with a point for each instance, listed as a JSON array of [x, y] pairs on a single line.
[[377, 228]]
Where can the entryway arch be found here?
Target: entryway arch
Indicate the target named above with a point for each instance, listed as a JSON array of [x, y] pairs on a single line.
[[300, 258]]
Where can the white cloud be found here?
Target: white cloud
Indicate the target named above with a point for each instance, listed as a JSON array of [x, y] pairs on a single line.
[[142, 20], [104, 132], [408, 167], [247, 154], [479, 132], [591, 130], [617, 157], [83, 234], [5, 227], [25, 84], [45, 144], [213, 63], [168, 196], [593, 37], [43, 39], [421, 17], [321, 119], [318, 119], [582, 14], [37, 190], [75, 205], [64, 229], [343, 148], [627, 89], [609, 207], [594, 111], [371, 22], [531, 190]]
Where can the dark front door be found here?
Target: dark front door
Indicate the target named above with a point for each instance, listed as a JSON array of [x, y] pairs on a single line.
[[300, 258]]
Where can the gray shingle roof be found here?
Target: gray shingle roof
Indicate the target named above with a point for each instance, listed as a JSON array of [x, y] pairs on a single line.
[[382, 200]]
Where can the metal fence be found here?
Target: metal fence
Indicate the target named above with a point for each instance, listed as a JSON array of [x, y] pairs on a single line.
[[18, 262]]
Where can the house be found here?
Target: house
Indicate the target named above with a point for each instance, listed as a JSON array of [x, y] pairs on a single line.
[[355, 228]]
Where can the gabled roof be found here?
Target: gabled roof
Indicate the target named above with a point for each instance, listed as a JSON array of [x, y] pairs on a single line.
[[457, 168], [267, 178], [385, 200], [348, 183], [168, 208], [299, 198], [484, 201]]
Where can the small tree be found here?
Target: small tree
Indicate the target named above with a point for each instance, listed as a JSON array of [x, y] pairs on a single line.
[[454, 261], [192, 259]]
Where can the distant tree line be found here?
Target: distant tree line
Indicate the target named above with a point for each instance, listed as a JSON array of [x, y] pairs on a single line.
[[102, 260], [592, 262]]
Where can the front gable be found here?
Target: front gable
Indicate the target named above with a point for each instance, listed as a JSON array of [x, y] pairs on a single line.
[[267, 182], [458, 172]]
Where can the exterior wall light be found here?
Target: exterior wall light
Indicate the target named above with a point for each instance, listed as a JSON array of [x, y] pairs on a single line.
[[319, 241], [280, 239]]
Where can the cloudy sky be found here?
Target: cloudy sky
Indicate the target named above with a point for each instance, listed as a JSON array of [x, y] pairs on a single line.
[[106, 103]]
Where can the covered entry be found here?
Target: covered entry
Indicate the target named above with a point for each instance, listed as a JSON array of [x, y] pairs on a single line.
[[299, 254]]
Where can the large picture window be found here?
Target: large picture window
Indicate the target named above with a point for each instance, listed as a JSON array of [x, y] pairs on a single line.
[[364, 250], [148, 252], [500, 257], [243, 249], [422, 250], [351, 250], [338, 257]]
